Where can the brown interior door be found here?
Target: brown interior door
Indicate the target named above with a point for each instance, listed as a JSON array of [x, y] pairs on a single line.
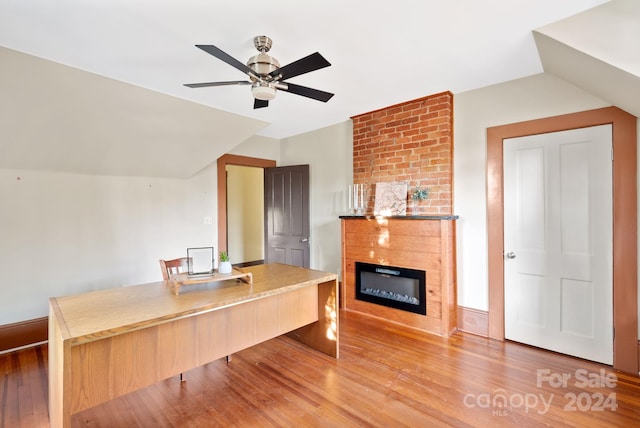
[[286, 210]]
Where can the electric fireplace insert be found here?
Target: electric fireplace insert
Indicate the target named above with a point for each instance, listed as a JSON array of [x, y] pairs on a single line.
[[392, 286]]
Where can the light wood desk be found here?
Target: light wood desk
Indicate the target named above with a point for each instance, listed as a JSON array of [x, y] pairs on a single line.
[[108, 343]]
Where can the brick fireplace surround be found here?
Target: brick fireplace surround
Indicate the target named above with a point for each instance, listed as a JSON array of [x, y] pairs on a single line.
[[410, 142]]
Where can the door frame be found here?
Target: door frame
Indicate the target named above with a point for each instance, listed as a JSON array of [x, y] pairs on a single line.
[[625, 241], [223, 161]]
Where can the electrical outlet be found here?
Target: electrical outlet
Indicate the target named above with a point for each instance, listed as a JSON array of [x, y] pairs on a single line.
[[208, 220]]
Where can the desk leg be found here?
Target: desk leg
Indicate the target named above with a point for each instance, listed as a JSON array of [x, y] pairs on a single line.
[[228, 361], [323, 334]]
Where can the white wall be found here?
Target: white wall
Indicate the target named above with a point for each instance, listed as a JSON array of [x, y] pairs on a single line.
[[68, 233], [529, 98], [329, 153], [259, 147]]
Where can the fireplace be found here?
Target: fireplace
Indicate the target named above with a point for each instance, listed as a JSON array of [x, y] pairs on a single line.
[[422, 243], [391, 286]]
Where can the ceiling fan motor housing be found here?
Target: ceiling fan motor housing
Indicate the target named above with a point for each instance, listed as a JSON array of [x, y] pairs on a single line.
[[263, 64]]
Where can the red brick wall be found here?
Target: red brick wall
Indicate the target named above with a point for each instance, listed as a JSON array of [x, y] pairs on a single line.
[[411, 142]]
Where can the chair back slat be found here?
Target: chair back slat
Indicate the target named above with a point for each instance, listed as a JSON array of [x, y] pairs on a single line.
[[172, 267]]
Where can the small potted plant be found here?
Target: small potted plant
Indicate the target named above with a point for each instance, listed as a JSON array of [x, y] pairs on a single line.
[[224, 266], [419, 194]]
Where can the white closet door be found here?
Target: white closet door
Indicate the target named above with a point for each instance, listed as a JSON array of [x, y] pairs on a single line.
[[558, 242]]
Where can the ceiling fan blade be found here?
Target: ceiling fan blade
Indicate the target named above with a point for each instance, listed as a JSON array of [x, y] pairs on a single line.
[[309, 63], [223, 56], [205, 84], [308, 92], [260, 103]]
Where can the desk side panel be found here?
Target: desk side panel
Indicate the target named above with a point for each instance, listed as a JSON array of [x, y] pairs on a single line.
[[58, 353], [323, 335], [109, 368], [297, 309]]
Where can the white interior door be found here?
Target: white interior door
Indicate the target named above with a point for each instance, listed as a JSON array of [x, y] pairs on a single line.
[[558, 239]]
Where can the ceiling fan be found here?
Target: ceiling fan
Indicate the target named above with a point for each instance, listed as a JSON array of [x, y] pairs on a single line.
[[265, 74]]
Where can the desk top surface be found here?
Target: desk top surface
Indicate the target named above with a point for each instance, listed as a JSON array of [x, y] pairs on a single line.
[[98, 314]]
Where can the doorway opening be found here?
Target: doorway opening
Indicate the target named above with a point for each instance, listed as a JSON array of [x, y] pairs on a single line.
[[223, 162], [245, 214]]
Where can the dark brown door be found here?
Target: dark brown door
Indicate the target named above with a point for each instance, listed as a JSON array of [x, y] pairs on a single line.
[[286, 210]]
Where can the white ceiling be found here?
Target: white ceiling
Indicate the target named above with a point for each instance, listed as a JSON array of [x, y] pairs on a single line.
[[382, 53]]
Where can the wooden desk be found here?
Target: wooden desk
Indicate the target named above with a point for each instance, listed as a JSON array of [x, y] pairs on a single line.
[[107, 343]]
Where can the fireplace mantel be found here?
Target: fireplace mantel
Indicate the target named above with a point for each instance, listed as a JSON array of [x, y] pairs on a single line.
[[415, 242], [399, 217]]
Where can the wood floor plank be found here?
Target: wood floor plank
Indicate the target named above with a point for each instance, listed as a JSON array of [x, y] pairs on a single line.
[[387, 376]]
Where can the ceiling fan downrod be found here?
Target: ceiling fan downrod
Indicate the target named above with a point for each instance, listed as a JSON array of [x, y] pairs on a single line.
[[263, 64]]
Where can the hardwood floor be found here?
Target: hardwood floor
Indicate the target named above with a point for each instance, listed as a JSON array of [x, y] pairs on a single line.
[[387, 376]]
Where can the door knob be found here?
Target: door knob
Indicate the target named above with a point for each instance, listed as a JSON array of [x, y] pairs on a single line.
[[511, 255], [304, 240]]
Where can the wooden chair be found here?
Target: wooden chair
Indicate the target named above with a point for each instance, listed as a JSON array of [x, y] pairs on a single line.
[[170, 267]]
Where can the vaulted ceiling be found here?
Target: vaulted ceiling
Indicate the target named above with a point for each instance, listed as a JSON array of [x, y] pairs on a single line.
[[105, 79]]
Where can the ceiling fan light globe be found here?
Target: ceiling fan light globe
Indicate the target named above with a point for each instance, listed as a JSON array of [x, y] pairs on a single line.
[[264, 93]]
